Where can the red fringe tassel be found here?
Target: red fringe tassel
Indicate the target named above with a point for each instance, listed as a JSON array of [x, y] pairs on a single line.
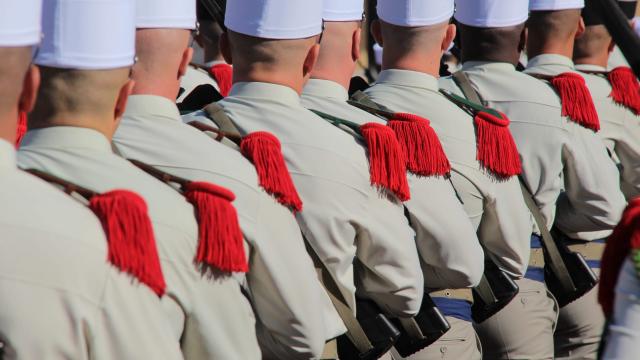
[[264, 150], [623, 241], [223, 75], [220, 242], [420, 144], [625, 88], [576, 99], [387, 162], [132, 245], [22, 128], [496, 149]]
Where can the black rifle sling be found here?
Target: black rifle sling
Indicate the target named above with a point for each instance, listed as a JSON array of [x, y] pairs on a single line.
[[355, 333], [556, 263]]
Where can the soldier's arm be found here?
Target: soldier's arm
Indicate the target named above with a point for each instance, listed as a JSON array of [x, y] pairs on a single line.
[[592, 199], [628, 151]]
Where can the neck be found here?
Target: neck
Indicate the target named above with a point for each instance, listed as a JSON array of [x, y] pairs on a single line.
[[257, 73], [211, 55], [564, 48], [337, 70], [156, 84], [601, 60], [423, 63], [9, 125], [504, 57], [100, 123]]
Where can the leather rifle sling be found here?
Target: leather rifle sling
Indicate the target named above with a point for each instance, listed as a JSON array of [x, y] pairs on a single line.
[[355, 333], [551, 248], [556, 264]]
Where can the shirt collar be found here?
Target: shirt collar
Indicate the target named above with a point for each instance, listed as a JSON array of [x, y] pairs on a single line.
[[326, 89], [151, 106], [408, 78], [550, 59], [7, 155], [489, 65], [266, 91], [210, 64], [590, 67], [66, 137]]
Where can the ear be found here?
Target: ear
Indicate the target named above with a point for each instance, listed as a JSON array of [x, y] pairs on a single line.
[[199, 40], [450, 34], [187, 55], [121, 101], [356, 37], [30, 87], [376, 32], [523, 39], [581, 28], [310, 60], [612, 45], [225, 47]]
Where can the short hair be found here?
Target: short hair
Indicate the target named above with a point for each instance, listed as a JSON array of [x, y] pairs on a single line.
[[595, 40], [557, 25], [13, 67]]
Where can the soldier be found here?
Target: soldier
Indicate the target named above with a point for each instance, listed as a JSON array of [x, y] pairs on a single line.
[[557, 153], [60, 297], [82, 97], [615, 93], [281, 280], [272, 45], [489, 191]]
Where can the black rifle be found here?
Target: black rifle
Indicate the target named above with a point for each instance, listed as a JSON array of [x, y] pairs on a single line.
[[422, 330], [495, 291], [381, 333]]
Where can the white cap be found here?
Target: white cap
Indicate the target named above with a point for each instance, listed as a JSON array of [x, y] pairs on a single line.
[[166, 14], [275, 19], [543, 5], [20, 22], [492, 13], [87, 34], [343, 10], [412, 13]]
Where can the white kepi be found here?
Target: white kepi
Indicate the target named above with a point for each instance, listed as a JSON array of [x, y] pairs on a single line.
[[543, 5], [166, 14], [20, 22], [414, 13], [275, 19], [343, 10], [87, 34], [492, 13]]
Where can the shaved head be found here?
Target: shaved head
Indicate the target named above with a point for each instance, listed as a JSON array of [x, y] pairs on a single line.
[[553, 31], [501, 44], [594, 43], [13, 67]]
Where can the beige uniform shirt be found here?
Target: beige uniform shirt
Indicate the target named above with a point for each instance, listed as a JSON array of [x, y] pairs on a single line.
[[282, 280], [619, 129], [210, 316], [496, 208], [59, 297], [343, 216], [448, 246], [557, 154]]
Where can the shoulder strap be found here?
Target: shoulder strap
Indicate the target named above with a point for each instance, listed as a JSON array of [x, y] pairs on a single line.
[[355, 332], [555, 258], [362, 98], [338, 122], [462, 80], [217, 114], [68, 187]]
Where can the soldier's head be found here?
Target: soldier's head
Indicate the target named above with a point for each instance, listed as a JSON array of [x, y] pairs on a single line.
[[553, 26], [492, 30], [85, 61], [595, 44], [162, 45], [210, 28], [19, 32], [414, 34], [340, 45], [273, 41]]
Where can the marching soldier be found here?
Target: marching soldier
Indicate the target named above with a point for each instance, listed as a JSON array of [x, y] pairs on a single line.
[[59, 295], [552, 32], [615, 93], [309, 165], [414, 39], [557, 152], [281, 280], [81, 100]]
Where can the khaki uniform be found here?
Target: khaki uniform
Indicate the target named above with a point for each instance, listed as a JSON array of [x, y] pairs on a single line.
[[616, 58], [619, 129], [495, 208], [282, 281], [343, 216], [59, 297], [557, 154], [448, 246], [209, 316]]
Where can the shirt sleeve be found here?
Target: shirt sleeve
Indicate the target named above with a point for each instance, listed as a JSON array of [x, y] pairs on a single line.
[[592, 200], [446, 239]]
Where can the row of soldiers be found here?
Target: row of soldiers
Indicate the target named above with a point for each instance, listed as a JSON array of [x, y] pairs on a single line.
[[289, 215]]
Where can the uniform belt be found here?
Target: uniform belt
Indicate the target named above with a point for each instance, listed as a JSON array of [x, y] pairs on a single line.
[[330, 351], [590, 250], [460, 294]]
